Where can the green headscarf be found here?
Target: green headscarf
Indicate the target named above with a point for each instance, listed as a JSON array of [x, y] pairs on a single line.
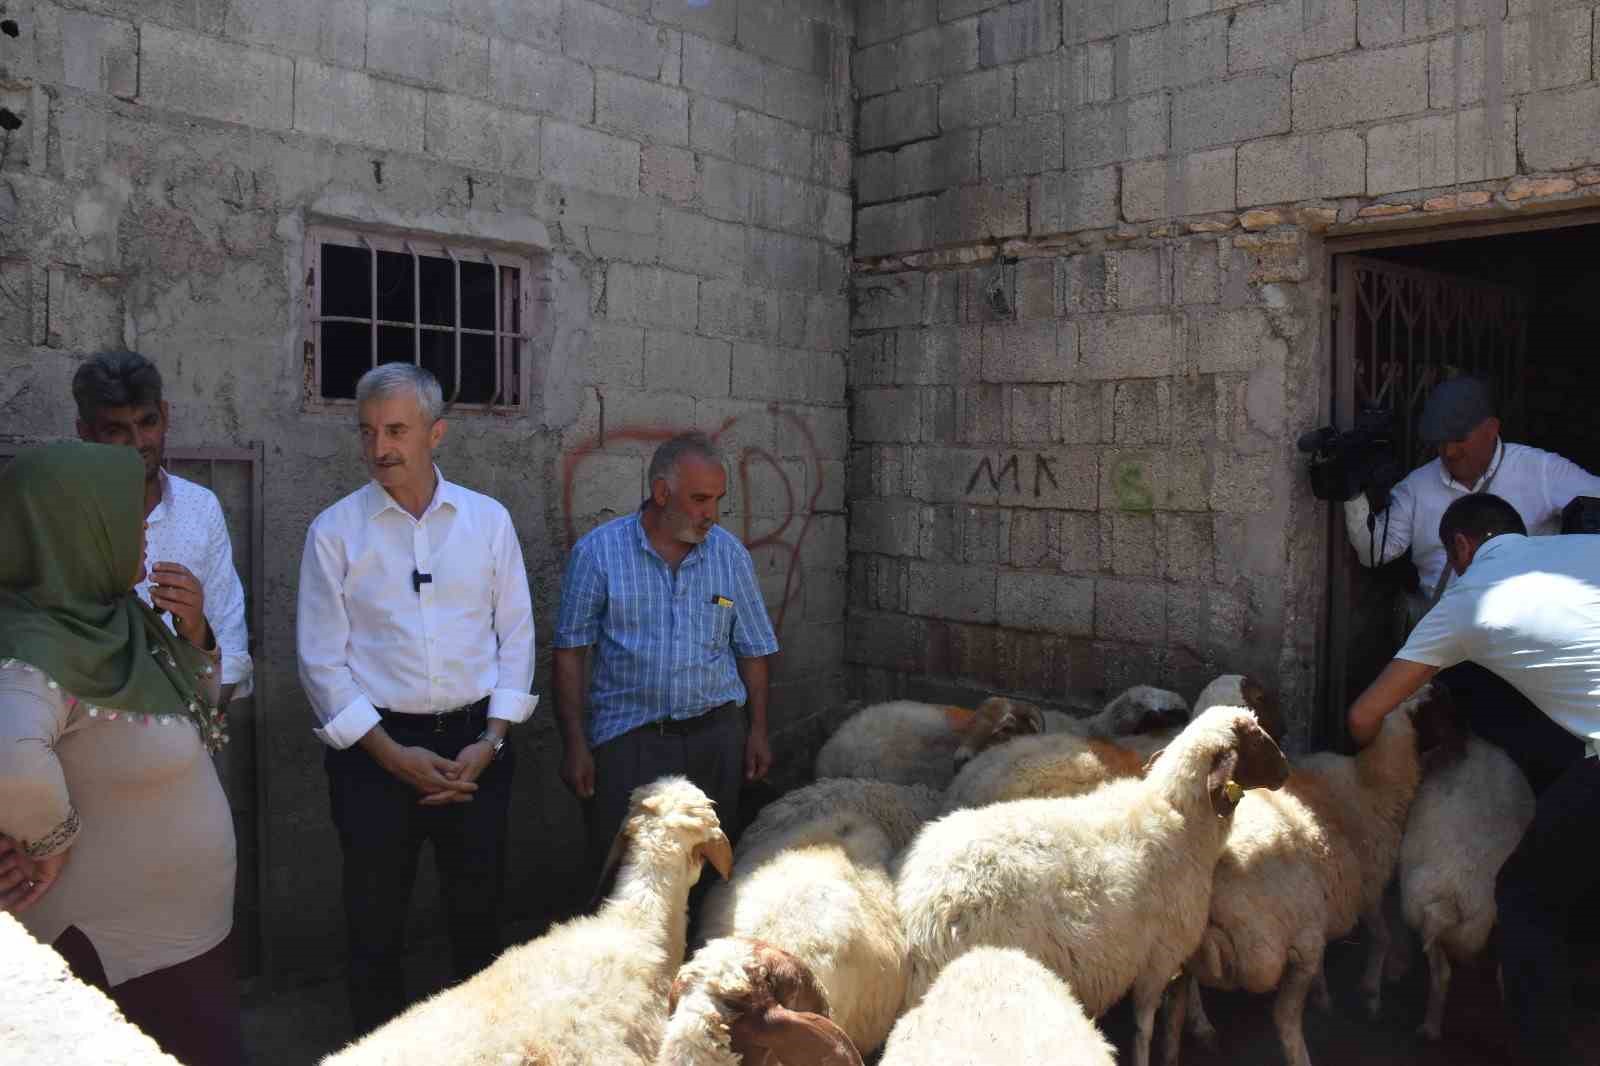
[[71, 516]]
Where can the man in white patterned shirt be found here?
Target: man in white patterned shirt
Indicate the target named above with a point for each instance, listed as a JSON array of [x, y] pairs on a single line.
[[119, 401], [414, 633]]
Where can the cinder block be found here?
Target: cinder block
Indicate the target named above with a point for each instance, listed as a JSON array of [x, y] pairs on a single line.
[[981, 414], [723, 72], [682, 362], [1072, 200], [1313, 166], [837, 223], [1245, 484], [695, 244], [876, 70], [1028, 351], [935, 53], [979, 99], [780, 261], [1138, 277], [937, 164], [1124, 129], [1536, 54], [668, 173], [1140, 412], [1089, 20], [1384, 22], [89, 52], [1187, 546], [771, 143], [1019, 30], [717, 21], [879, 20], [214, 79], [1027, 147], [535, 22], [1126, 346], [1067, 80], [1192, 185], [771, 373], [1175, 55], [1558, 131], [1134, 611], [1238, 109], [984, 535], [798, 97], [1033, 414], [1196, 418], [1133, 543], [601, 37], [1277, 34], [1233, 341], [1360, 87], [1438, 150], [615, 357], [611, 485], [778, 33], [535, 80], [1080, 283], [875, 177], [347, 105], [1036, 288], [1033, 538], [827, 323], [644, 110], [733, 310], [895, 227], [1078, 542], [651, 296], [936, 355], [406, 45], [907, 115], [892, 415], [978, 212], [591, 160], [1047, 602], [887, 641], [871, 360], [1197, 274], [886, 300], [958, 593], [479, 135], [1086, 412], [885, 527]]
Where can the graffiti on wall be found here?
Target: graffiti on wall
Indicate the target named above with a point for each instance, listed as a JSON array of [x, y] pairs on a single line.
[[786, 534], [1009, 469]]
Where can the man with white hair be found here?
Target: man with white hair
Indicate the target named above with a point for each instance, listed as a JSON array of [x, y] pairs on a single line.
[[415, 642], [667, 601]]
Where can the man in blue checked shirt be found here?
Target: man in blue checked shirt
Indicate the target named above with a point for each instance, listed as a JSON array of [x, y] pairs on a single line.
[[668, 601]]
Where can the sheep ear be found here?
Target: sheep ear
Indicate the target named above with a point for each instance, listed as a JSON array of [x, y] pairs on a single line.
[[1223, 799], [1151, 761], [1265, 706], [792, 982], [718, 852], [1020, 718], [1155, 719], [793, 1036], [619, 844]]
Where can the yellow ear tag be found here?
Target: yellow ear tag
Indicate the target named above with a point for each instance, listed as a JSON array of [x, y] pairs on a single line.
[[1234, 792]]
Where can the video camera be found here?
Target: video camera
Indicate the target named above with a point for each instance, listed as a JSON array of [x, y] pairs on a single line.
[[1359, 460]]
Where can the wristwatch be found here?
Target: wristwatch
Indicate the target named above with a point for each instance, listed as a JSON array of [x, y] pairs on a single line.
[[497, 743]]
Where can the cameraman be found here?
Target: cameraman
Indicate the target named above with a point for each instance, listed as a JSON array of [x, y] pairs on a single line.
[[1459, 420]]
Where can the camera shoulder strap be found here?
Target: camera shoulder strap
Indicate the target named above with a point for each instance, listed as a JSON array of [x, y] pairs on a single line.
[[1444, 575]]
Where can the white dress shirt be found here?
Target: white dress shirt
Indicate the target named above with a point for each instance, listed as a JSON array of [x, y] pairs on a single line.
[[1537, 483], [187, 527], [1529, 610], [367, 636]]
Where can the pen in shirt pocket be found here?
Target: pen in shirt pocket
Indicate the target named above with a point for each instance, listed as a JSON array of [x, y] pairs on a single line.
[[721, 601]]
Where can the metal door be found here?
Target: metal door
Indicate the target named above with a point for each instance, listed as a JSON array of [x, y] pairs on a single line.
[[1398, 331]]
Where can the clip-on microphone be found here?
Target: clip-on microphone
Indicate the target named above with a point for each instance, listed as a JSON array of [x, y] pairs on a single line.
[[419, 579]]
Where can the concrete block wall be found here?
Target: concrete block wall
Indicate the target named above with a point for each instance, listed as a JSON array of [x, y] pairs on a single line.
[[679, 173], [1089, 294]]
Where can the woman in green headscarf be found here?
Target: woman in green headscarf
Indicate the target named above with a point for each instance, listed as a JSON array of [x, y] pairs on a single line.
[[116, 841]]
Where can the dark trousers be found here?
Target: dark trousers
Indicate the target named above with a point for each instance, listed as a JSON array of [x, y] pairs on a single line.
[[1503, 716], [381, 830], [709, 752], [1537, 890], [191, 1009]]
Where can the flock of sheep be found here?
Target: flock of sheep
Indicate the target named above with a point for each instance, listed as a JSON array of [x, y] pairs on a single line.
[[975, 886]]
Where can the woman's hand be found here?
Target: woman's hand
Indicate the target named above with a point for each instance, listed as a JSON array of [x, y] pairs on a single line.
[[24, 880]]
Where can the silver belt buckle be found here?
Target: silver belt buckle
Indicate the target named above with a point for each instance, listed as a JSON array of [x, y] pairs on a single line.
[[438, 721]]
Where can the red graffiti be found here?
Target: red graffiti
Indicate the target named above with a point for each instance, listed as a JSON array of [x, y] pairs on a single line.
[[796, 519]]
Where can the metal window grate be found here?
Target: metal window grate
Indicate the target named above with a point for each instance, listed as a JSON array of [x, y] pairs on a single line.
[[460, 312]]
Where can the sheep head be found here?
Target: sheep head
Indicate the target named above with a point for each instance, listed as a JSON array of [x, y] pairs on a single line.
[[1437, 720], [671, 816], [774, 1010], [996, 721], [1144, 709], [1243, 690], [1236, 754]]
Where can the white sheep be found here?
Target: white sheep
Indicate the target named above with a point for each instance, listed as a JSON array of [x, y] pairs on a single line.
[[1468, 816], [1140, 709], [743, 1002], [1110, 890], [909, 743], [996, 1007], [592, 990], [1301, 866], [811, 876]]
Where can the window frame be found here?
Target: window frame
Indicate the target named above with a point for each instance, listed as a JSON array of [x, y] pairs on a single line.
[[513, 301]]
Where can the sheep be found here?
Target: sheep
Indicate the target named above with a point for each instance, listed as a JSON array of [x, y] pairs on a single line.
[[1300, 866], [1468, 816], [811, 877], [996, 1007], [592, 990], [910, 743], [743, 1001], [1115, 743], [1109, 890]]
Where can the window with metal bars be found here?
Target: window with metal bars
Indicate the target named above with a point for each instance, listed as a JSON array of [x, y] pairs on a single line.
[[459, 311]]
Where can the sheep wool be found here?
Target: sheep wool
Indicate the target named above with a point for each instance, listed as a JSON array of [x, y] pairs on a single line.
[[910, 743], [1062, 764], [591, 992], [1111, 890], [996, 1007], [811, 877]]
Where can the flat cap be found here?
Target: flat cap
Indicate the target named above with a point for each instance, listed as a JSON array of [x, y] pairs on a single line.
[[1454, 409]]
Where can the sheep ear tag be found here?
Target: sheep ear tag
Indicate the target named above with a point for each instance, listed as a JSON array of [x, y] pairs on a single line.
[[1234, 791]]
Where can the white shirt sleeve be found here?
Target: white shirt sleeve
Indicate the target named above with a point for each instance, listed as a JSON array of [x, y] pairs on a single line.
[[1438, 640], [510, 698], [322, 635], [225, 603], [1391, 535], [1564, 480]]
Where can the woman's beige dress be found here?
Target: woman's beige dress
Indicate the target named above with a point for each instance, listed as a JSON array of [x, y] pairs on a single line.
[[149, 878]]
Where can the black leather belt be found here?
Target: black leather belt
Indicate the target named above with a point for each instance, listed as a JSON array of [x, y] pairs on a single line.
[[683, 727], [437, 719]]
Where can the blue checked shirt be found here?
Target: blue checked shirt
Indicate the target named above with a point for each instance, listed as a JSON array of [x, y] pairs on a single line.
[[664, 644]]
